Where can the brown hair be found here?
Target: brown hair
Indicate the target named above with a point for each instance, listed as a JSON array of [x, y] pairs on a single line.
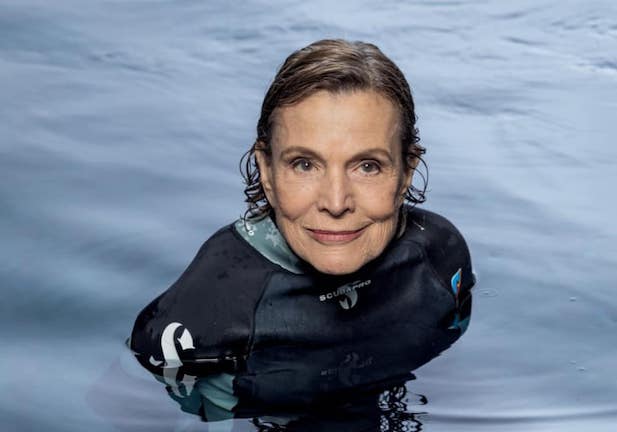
[[334, 65]]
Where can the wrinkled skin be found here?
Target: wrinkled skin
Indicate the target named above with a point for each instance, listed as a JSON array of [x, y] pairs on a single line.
[[335, 177]]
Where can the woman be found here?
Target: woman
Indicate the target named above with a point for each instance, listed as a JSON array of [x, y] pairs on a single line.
[[328, 250]]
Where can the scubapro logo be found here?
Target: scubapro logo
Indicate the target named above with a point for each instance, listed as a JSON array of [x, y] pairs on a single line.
[[349, 300], [348, 294]]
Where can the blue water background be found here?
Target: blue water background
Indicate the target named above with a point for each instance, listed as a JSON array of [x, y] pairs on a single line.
[[121, 127]]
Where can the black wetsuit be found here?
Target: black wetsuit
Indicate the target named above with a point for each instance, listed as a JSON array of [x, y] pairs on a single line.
[[245, 291]]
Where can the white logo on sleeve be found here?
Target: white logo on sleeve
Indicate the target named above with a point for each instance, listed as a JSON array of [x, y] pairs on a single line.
[[172, 362]]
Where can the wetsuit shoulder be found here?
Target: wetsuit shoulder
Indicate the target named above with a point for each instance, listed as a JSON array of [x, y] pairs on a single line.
[[208, 312], [444, 246]]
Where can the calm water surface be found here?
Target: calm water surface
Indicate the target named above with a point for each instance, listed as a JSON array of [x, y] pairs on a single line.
[[121, 126]]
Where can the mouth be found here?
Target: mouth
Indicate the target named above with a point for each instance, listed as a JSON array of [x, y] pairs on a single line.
[[335, 237]]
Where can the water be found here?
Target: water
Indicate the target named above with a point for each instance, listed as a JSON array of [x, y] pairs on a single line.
[[121, 126]]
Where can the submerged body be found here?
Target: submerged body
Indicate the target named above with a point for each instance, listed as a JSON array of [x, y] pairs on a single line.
[[329, 262]]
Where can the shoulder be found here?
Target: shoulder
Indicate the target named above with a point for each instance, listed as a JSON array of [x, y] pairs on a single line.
[[444, 247], [219, 261], [224, 250], [212, 301]]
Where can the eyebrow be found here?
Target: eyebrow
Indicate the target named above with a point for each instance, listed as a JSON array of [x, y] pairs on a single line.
[[300, 150], [365, 154], [372, 152]]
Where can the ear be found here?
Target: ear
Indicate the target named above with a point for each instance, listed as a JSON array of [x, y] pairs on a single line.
[[264, 164]]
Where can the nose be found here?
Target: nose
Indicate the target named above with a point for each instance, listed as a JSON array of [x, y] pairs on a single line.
[[336, 195]]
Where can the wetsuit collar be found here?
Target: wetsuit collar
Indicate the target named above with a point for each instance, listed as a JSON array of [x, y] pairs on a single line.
[[265, 237]]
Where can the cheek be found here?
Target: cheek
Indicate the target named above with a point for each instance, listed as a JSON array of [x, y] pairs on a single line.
[[294, 198], [382, 199]]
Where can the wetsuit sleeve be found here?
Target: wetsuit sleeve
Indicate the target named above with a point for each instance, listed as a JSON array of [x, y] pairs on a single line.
[[447, 252], [206, 317], [159, 325]]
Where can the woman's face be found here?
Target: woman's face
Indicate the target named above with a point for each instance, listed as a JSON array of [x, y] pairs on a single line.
[[336, 177]]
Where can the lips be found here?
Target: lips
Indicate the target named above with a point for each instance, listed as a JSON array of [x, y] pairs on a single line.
[[335, 237]]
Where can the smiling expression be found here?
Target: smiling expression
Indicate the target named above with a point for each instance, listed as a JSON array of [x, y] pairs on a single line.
[[335, 177]]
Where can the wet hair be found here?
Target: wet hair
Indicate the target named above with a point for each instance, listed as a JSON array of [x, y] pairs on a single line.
[[336, 66]]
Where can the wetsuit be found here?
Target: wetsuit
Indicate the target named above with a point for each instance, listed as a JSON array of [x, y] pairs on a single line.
[[246, 292]]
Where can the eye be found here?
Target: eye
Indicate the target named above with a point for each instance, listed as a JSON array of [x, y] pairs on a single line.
[[370, 167], [302, 165]]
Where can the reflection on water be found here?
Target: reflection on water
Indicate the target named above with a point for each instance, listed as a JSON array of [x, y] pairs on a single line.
[[391, 410], [351, 385]]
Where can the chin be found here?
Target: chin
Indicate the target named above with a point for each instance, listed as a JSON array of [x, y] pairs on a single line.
[[336, 268]]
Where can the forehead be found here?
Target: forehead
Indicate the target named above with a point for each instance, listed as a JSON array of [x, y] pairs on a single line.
[[349, 119]]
